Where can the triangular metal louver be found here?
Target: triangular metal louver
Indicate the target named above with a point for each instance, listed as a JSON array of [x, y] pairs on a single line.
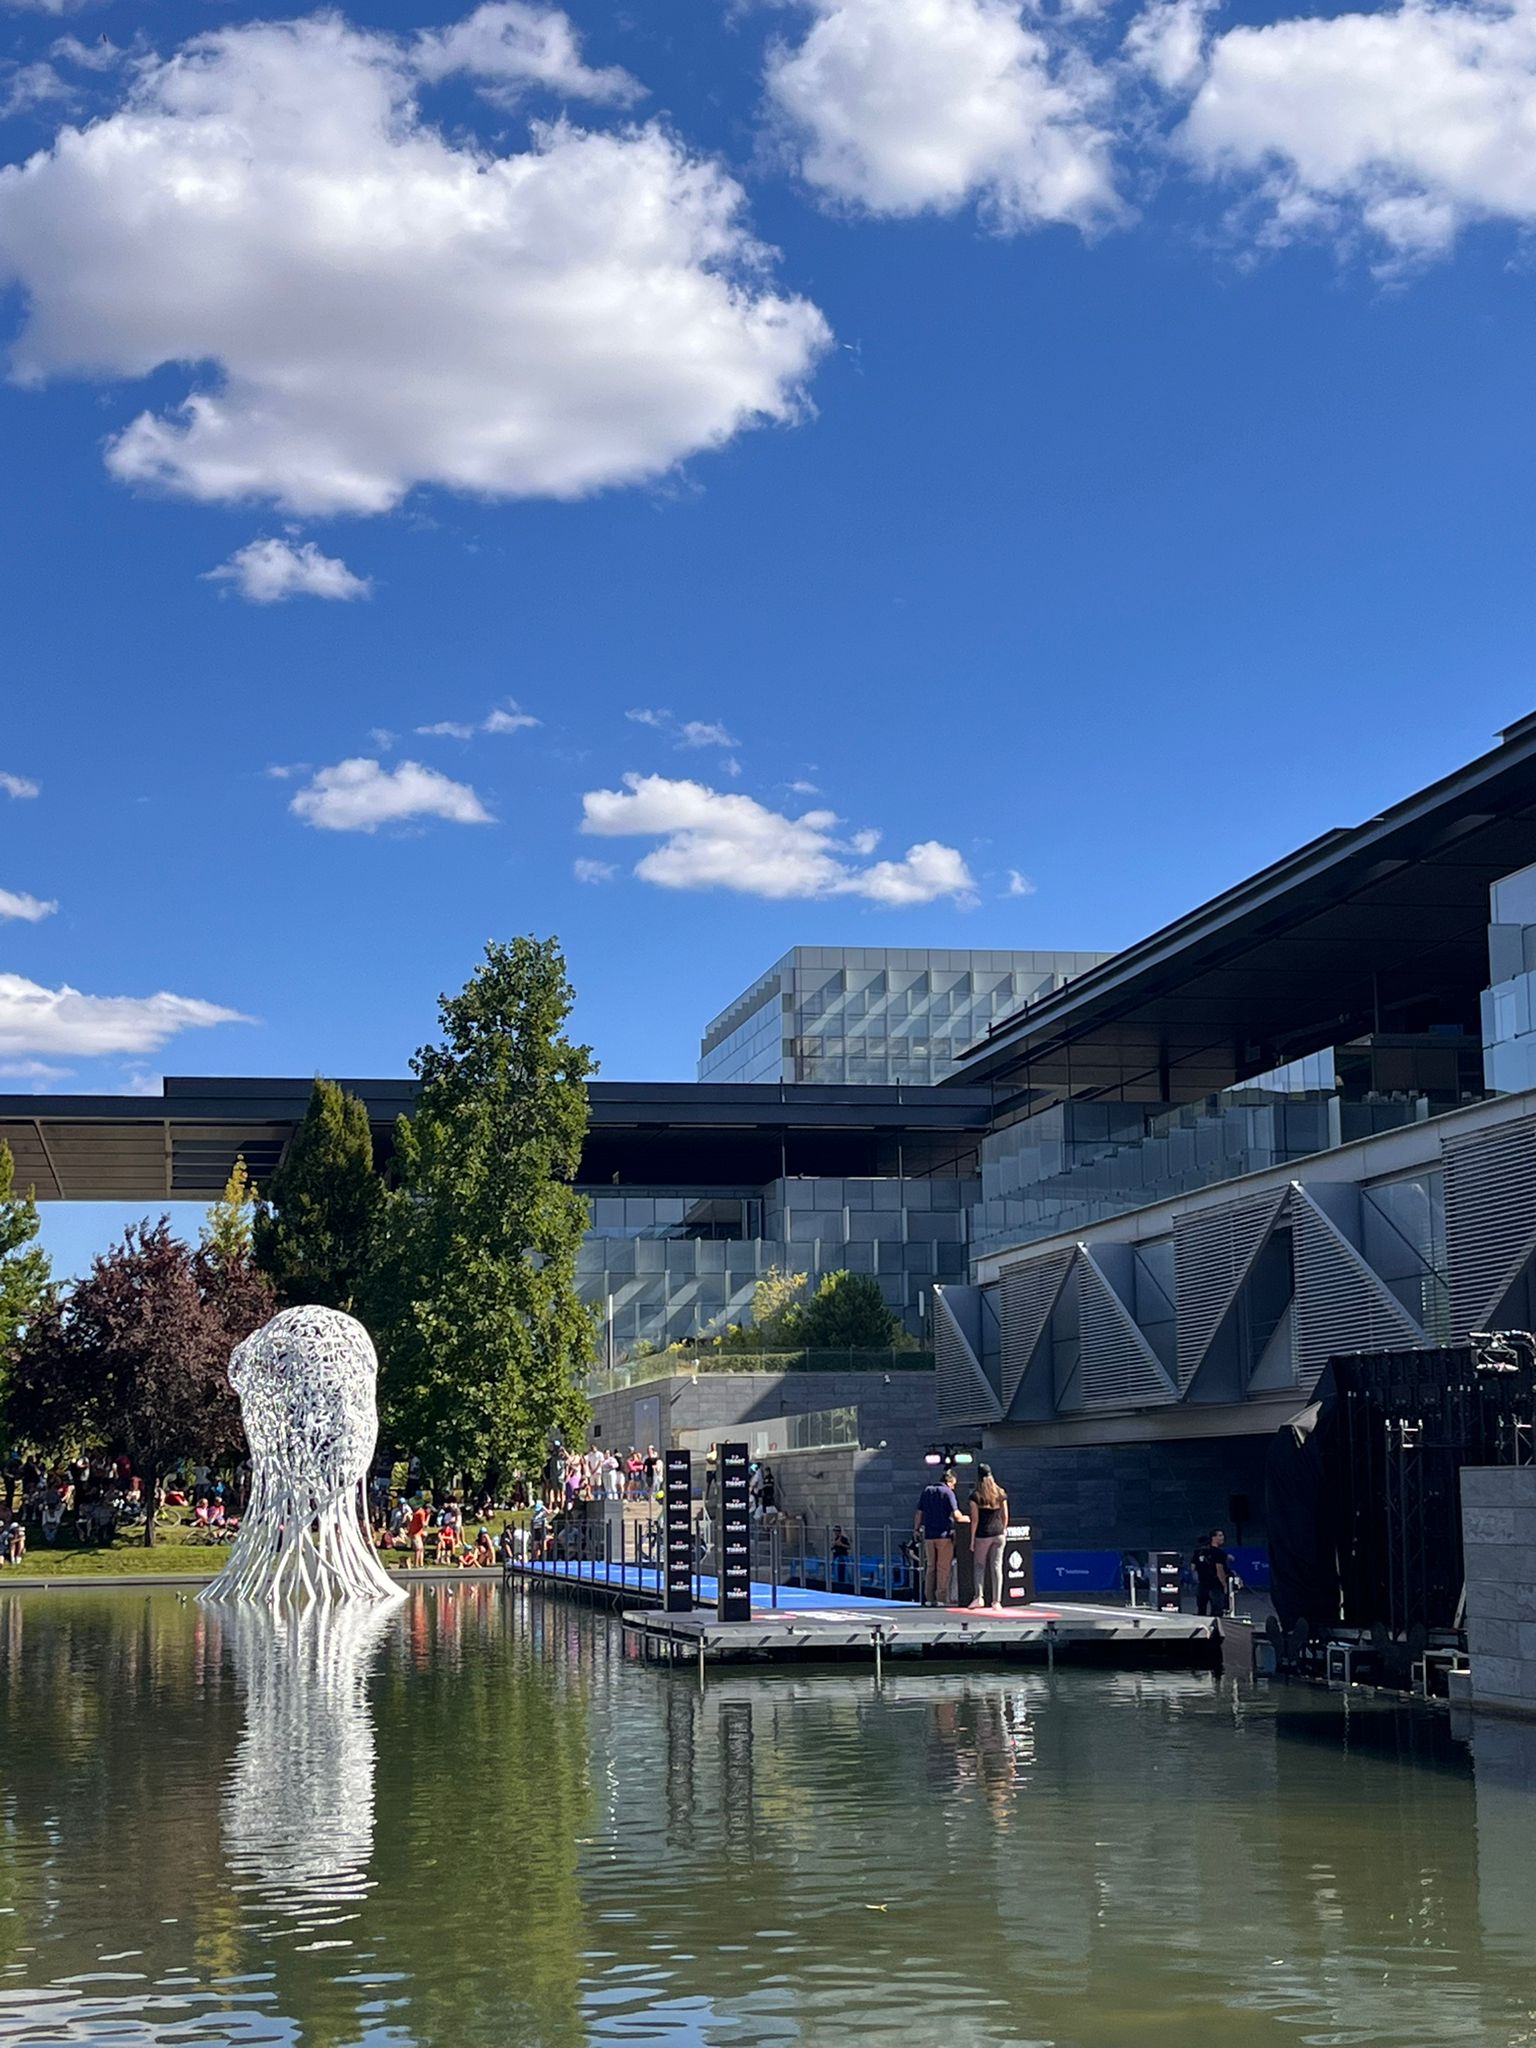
[[1029, 1293], [1341, 1302], [966, 1397], [1119, 1367], [1213, 1254], [1490, 1219]]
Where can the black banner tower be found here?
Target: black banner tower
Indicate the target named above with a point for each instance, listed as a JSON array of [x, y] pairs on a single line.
[[735, 1581], [677, 1533]]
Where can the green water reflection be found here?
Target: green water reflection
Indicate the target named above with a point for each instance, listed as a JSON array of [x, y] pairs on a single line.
[[477, 1820]]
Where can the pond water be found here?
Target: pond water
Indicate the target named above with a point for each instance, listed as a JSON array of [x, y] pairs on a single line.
[[477, 1820]]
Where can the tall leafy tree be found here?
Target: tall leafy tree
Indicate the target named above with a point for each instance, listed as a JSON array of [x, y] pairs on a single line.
[[133, 1359], [315, 1233], [24, 1272], [486, 1335], [228, 1231]]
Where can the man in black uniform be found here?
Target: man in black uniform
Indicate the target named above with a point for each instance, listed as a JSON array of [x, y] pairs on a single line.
[[1213, 1574]]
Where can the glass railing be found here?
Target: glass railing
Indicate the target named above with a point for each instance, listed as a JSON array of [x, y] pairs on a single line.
[[661, 1365]]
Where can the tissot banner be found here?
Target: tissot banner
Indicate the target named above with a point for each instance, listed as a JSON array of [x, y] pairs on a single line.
[[1164, 1568], [677, 1529], [1018, 1564], [735, 1533]]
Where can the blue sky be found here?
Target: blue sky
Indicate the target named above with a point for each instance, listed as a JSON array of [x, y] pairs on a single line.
[[1029, 468]]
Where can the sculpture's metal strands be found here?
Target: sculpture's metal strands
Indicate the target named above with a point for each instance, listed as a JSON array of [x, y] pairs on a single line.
[[298, 1812], [306, 1383]]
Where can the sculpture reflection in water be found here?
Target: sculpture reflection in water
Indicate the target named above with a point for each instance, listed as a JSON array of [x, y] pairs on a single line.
[[298, 1807], [306, 1382]]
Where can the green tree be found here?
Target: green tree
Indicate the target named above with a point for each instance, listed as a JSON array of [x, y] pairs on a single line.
[[315, 1235], [485, 1336], [846, 1313], [227, 1233], [25, 1282]]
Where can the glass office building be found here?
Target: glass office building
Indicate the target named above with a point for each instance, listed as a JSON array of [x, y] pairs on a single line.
[[874, 1016]]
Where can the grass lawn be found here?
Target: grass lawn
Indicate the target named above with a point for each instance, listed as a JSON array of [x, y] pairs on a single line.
[[117, 1561], [127, 1557]]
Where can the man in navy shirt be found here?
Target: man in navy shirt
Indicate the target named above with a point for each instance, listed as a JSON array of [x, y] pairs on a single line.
[[938, 1510]]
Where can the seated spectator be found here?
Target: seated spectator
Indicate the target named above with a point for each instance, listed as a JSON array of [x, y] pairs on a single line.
[[13, 1542], [485, 1550]]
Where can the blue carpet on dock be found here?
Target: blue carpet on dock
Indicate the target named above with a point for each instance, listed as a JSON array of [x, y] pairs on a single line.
[[646, 1579]]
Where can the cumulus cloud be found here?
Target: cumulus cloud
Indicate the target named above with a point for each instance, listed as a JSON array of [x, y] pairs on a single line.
[[19, 785], [34, 1019], [915, 106], [30, 909], [1409, 124], [383, 306], [643, 716], [594, 870], [508, 47], [271, 571], [361, 795], [1166, 41], [714, 840], [1019, 884], [505, 718]]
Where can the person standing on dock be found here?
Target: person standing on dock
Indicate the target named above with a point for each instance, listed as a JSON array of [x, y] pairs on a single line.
[[938, 1510], [1213, 1574], [989, 1518]]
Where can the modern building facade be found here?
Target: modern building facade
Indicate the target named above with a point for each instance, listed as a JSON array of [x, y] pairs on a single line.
[[1298, 1122], [1132, 1225], [874, 1017]]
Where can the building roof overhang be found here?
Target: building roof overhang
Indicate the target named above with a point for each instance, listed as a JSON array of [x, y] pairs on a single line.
[[1379, 927]]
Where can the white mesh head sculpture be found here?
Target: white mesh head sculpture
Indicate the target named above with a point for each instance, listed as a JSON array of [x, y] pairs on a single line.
[[306, 1384]]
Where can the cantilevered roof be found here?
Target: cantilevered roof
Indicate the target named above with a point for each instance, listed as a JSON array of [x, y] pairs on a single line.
[[1378, 927], [181, 1145]]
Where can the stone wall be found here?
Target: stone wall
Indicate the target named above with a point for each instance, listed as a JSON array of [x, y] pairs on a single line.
[[1498, 1527]]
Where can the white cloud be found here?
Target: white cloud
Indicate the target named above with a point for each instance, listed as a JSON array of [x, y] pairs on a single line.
[[30, 909], [1409, 123], [804, 789], [915, 106], [711, 840], [659, 719], [271, 571], [360, 796], [703, 732], [33, 1070], [505, 718], [1018, 884], [46, 6], [24, 86], [509, 718], [384, 307], [62, 1020], [101, 55], [594, 870], [382, 737], [508, 47], [19, 785], [1167, 41]]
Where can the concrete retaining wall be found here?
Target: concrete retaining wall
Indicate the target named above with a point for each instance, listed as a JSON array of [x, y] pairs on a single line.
[[1498, 1526]]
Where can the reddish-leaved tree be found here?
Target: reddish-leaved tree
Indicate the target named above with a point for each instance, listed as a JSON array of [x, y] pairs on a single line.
[[136, 1357]]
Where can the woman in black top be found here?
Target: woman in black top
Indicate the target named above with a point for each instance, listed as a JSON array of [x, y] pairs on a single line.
[[989, 1518]]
